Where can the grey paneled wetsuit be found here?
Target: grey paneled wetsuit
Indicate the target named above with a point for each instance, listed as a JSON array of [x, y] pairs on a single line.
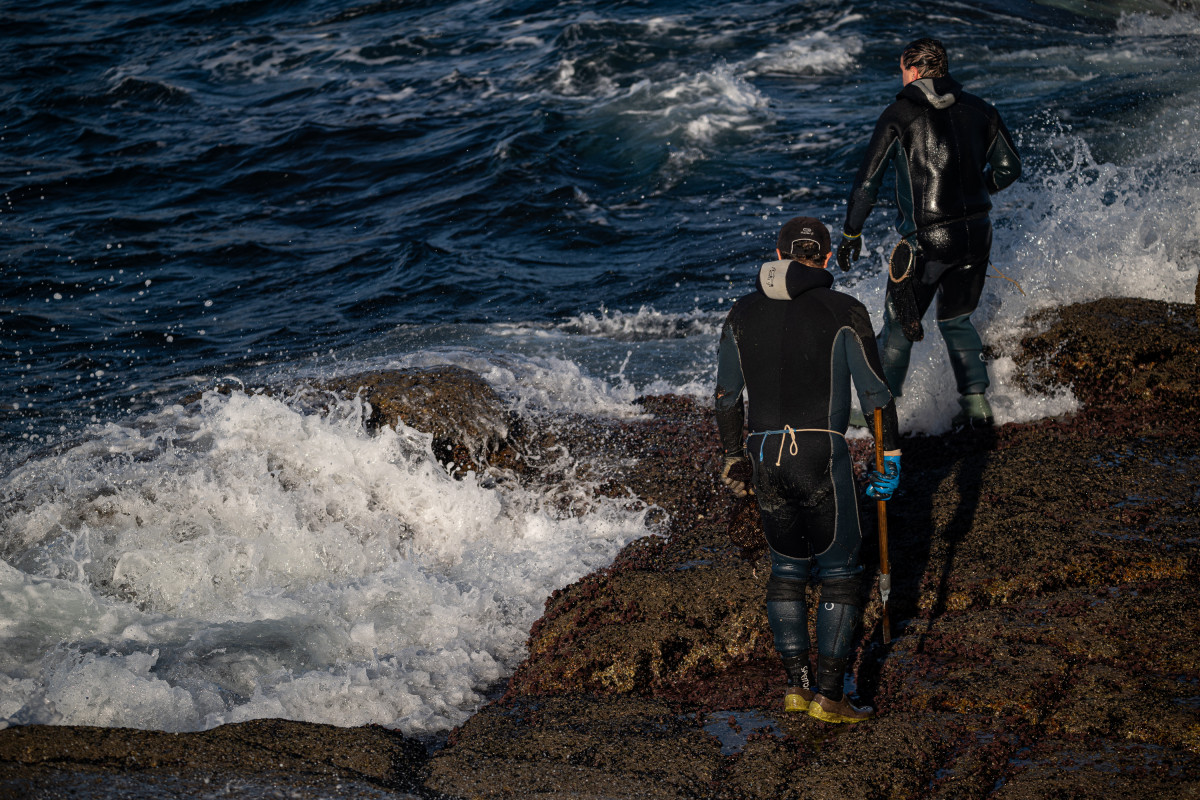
[[952, 152], [794, 359]]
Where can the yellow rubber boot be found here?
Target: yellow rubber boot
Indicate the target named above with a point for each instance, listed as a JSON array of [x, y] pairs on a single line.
[[837, 711], [797, 699]]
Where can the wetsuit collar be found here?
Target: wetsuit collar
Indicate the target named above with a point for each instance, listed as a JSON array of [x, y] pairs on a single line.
[[937, 92], [787, 279]]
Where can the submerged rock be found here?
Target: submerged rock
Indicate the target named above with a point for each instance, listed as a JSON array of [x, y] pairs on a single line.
[[463, 414]]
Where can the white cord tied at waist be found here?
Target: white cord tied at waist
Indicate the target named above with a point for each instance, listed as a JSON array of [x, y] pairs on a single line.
[[787, 431]]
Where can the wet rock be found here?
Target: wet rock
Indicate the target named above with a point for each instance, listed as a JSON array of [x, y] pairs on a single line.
[[652, 632], [307, 760], [1094, 768], [1119, 352], [581, 747]]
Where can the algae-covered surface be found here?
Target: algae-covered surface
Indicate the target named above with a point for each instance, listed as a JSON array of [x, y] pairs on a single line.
[[1045, 625]]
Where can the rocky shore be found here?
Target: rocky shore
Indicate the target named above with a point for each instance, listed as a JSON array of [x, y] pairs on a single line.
[[1045, 621]]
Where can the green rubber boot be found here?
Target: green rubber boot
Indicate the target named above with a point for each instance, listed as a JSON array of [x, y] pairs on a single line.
[[975, 413]]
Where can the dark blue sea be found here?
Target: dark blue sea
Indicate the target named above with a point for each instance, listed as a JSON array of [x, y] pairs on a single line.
[[564, 197]]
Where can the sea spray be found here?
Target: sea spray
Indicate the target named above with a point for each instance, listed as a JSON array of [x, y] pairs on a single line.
[[241, 558], [1072, 229]]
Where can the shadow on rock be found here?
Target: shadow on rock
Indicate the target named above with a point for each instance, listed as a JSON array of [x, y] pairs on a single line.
[[1045, 592]]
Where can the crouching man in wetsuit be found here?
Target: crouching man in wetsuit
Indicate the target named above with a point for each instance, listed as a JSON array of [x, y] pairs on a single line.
[[793, 346], [952, 152]]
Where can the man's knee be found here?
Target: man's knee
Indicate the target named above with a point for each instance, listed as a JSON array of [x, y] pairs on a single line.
[[844, 590], [784, 590], [960, 334], [787, 607], [837, 617]]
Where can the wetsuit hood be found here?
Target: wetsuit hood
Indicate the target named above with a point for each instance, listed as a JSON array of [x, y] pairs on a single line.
[[788, 279], [940, 93]]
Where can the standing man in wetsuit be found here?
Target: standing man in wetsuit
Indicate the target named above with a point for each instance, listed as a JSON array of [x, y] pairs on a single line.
[[952, 152], [793, 345]]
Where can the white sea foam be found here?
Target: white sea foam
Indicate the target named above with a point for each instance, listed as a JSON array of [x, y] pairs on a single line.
[[817, 53], [695, 107], [250, 559], [686, 113], [524, 364], [1158, 24], [645, 323]]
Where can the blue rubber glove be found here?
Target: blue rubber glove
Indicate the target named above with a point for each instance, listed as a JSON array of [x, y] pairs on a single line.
[[850, 248], [882, 486]]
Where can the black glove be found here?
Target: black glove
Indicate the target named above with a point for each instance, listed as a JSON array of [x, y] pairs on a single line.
[[849, 249], [735, 473]]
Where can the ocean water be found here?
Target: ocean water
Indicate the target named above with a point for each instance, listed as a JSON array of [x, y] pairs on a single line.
[[563, 197]]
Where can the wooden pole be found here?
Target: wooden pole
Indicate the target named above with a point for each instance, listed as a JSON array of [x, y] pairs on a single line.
[[885, 577]]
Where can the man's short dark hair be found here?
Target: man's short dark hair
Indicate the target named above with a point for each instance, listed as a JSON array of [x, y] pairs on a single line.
[[928, 56]]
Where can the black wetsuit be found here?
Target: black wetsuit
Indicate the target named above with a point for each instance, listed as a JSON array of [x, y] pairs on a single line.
[[952, 152], [795, 359]]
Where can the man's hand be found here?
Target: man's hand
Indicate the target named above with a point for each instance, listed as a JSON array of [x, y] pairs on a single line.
[[882, 486], [849, 249], [735, 473]]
